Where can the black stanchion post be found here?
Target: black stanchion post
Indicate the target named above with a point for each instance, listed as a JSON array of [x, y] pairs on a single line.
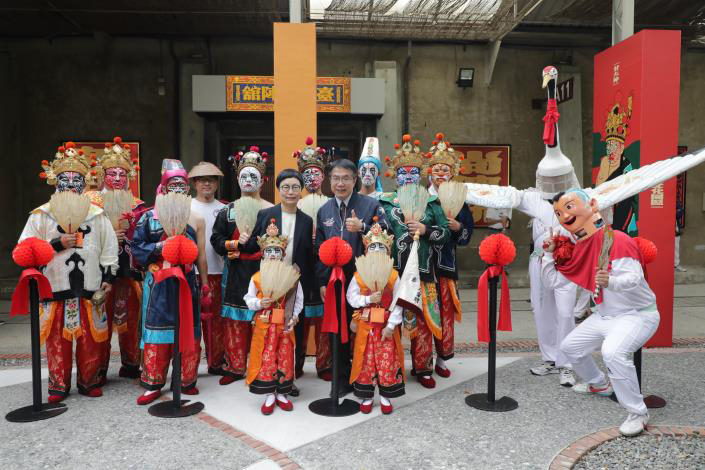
[[176, 408], [333, 406], [486, 401], [651, 401], [38, 410]]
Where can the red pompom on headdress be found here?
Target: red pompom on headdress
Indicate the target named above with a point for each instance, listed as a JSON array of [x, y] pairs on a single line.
[[498, 250], [335, 252], [117, 140], [309, 140], [406, 138], [440, 136], [647, 248], [32, 252], [180, 250]]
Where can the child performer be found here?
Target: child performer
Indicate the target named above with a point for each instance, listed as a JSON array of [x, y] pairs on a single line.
[[379, 357], [270, 370]]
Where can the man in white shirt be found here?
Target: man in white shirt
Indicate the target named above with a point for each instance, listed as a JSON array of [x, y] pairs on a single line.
[[205, 178], [609, 264]]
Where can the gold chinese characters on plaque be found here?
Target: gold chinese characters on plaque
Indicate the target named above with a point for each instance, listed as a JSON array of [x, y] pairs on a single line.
[[486, 164]]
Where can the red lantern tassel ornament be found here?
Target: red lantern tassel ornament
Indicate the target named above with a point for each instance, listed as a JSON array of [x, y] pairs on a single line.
[[30, 254], [497, 251], [336, 253]]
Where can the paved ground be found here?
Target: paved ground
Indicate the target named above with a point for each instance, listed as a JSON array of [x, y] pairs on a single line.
[[438, 431], [427, 431]]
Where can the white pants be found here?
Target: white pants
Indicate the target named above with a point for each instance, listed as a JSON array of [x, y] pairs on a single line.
[[677, 260], [619, 338], [553, 314]]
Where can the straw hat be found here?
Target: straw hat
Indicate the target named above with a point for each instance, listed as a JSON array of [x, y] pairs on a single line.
[[204, 169]]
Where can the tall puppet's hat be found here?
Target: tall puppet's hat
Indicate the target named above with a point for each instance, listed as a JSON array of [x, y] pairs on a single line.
[[68, 158], [310, 156], [117, 155], [407, 154], [252, 158], [555, 172]]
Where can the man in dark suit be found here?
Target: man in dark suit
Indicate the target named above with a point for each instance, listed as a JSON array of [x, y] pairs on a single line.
[[296, 226], [348, 215]]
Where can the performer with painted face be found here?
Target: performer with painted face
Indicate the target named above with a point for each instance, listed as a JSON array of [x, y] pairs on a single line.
[[607, 262], [378, 355], [123, 302], [275, 293], [160, 301], [312, 162], [432, 227], [83, 268], [369, 168], [231, 232], [205, 179], [444, 164]]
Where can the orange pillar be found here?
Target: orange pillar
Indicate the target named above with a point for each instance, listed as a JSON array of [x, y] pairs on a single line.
[[294, 90]]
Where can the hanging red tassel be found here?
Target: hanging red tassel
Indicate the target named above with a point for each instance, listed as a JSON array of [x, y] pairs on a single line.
[[550, 120], [20, 297], [186, 339]]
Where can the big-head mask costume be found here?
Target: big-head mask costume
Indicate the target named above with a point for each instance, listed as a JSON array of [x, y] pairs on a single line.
[[174, 177], [117, 165], [577, 212], [250, 167], [70, 170], [312, 162], [444, 163], [369, 164], [408, 163]]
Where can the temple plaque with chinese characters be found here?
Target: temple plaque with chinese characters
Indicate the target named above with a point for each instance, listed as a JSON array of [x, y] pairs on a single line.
[[487, 164], [256, 93]]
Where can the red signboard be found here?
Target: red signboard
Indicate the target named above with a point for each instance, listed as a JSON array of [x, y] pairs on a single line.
[[487, 164], [635, 122]]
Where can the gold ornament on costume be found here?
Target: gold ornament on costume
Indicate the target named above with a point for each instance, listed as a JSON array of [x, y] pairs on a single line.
[[69, 158], [117, 155], [442, 153], [272, 238], [408, 154], [617, 122], [376, 234], [311, 156]]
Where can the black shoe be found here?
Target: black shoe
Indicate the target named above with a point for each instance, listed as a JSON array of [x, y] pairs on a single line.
[[215, 371], [294, 391]]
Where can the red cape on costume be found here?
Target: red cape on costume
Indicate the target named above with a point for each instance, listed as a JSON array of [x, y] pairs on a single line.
[[582, 266]]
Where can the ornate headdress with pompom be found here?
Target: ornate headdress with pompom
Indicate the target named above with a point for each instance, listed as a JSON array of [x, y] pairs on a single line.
[[443, 153], [376, 234], [68, 158], [117, 155], [310, 156], [407, 154], [271, 237], [252, 158]]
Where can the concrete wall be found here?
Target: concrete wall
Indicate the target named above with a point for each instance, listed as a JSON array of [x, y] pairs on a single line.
[[85, 88], [76, 89]]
